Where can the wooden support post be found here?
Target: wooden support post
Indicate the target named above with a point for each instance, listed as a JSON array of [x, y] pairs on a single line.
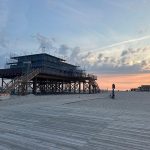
[[74, 86], [55, 87], [52, 84], [79, 87], [59, 86], [70, 87], [62, 87], [89, 87], [2, 83], [83, 87], [34, 86]]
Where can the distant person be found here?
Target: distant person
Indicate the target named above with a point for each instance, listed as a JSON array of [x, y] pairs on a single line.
[[113, 91]]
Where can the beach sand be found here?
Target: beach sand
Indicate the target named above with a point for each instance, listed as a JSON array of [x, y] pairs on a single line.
[[76, 122]]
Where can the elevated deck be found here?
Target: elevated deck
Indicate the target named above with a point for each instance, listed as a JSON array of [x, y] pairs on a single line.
[[53, 76]]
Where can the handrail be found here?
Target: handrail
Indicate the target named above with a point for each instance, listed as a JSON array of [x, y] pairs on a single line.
[[21, 79]]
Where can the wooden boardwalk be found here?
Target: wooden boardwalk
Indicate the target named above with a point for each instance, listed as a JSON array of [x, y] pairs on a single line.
[[73, 122]]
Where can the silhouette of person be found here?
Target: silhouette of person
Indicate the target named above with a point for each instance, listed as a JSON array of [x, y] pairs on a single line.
[[113, 91]]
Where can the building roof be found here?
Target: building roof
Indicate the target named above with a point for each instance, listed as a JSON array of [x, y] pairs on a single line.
[[41, 54]]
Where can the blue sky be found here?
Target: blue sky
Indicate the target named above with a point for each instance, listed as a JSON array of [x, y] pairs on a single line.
[[102, 21], [105, 36]]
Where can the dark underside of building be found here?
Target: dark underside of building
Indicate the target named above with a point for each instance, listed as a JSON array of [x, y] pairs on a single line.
[[45, 74]]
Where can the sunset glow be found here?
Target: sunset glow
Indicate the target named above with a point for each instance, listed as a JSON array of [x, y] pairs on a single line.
[[123, 82]]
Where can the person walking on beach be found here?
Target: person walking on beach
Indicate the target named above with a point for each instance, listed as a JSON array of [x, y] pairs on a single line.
[[113, 91]]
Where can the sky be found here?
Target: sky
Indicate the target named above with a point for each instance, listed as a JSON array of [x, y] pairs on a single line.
[[109, 38]]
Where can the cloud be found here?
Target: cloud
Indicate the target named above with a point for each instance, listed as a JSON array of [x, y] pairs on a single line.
[[2, 60], [122, 43], [75, 57], [3, 14], [132, 6], [63, 49], [3, 42], [130, 60], [122, 60], [4, 49], [145, 64], [116, 61], [130, 51], [45, 44]]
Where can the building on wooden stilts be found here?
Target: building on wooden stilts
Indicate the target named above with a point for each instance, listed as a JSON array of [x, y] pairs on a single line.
[[45, 74]]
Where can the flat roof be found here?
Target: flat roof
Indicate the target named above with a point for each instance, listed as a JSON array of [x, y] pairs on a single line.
[[16, 57], [64, 61]]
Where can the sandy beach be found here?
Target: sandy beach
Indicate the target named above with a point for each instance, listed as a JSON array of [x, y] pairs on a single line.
[[76, 122]]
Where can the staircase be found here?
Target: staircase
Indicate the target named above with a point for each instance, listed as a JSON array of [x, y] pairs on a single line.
[[20, 80]]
